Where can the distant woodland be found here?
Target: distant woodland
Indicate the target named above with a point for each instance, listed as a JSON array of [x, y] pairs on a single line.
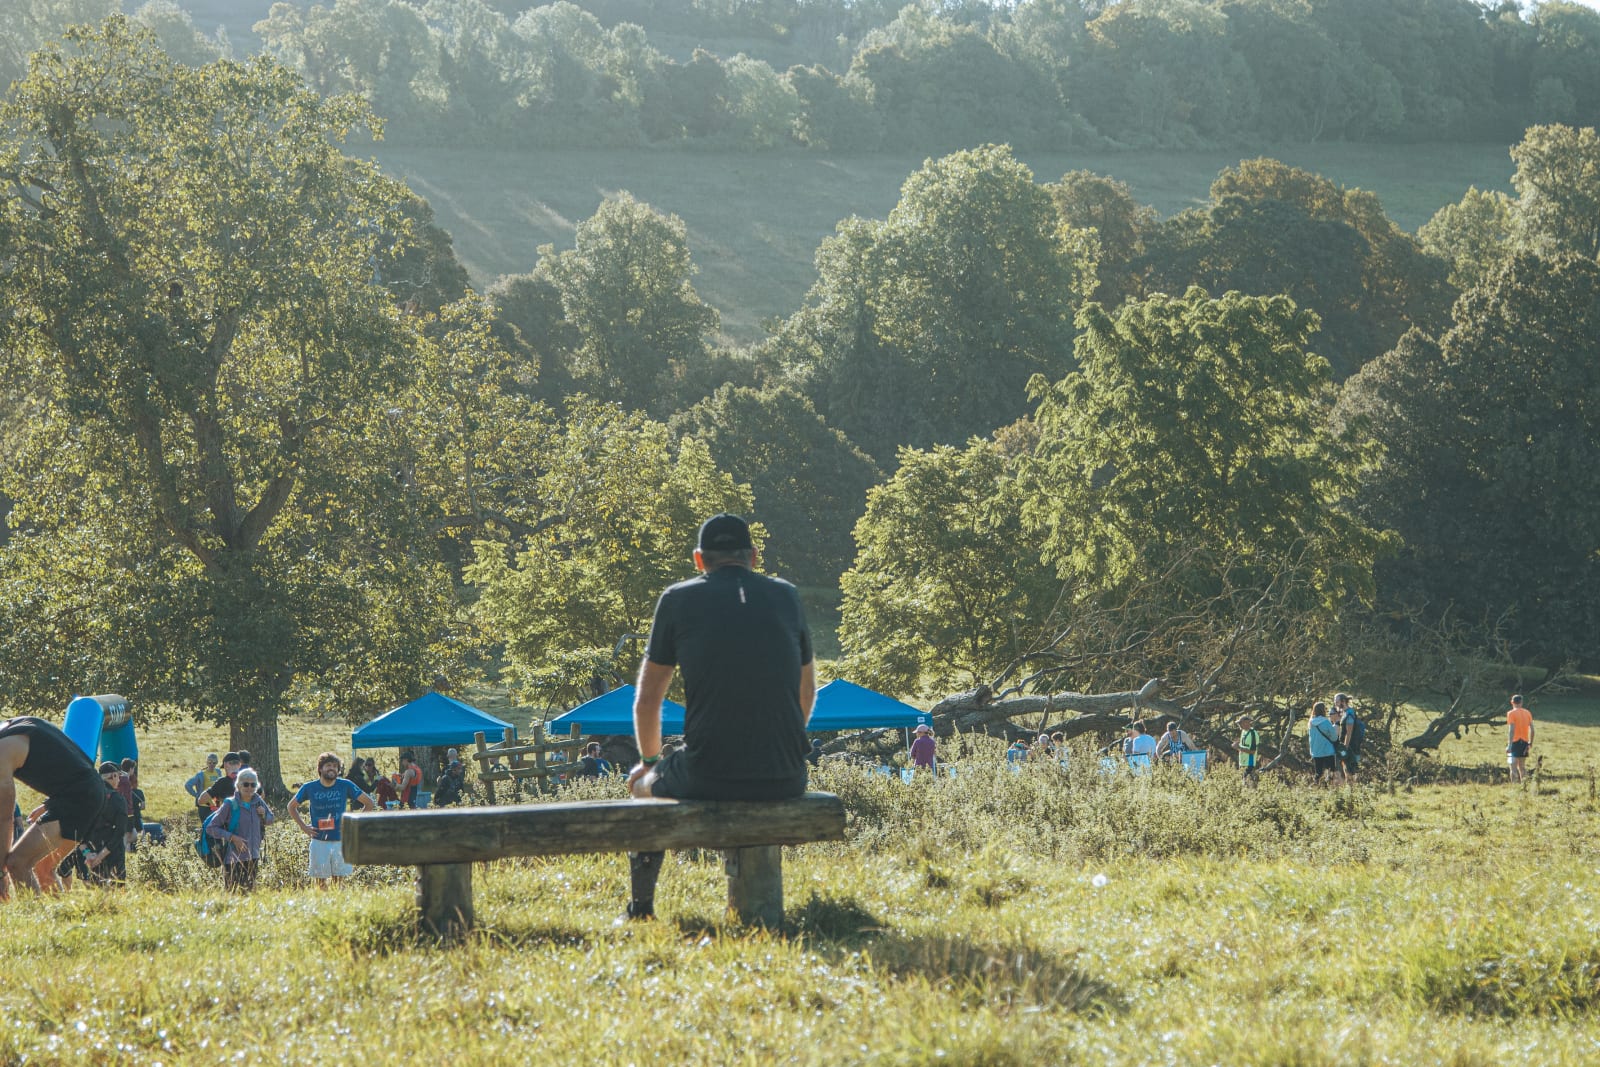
[[853, 75]]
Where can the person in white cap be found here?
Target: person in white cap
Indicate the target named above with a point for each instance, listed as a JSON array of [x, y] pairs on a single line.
[[923, 748]]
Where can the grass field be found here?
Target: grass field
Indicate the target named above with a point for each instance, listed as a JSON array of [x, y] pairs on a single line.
[[1033, 918], [755, 219]]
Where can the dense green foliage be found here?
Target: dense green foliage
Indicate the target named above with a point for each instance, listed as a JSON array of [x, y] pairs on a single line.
[[1055, 73], [947, 587], [842, 74], [925, 327], [808, 481], [1189, 444], [621, 502], [203, 500], [1490, 465], [1270, 228]]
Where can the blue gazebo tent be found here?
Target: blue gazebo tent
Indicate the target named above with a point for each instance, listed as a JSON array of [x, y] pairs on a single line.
[[612, 713], [843, 705], [432, 719], [840, 705]]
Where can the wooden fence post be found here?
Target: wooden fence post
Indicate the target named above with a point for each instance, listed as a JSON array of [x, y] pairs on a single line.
[[483, 765]]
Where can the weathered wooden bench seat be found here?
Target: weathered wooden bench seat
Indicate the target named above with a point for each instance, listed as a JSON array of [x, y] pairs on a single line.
[[444, 843]]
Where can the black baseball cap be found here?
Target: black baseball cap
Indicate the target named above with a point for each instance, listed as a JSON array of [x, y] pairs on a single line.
[[725, 533]]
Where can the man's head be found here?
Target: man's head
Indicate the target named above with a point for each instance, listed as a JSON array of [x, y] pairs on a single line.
[[1516, 700], [244, 757], [407, 759], [129, 766], [1139, 727], [923, 730], [1246, 722], [329, 767], [1341, 700], [592, 749], [211, 761], [231, 763], [451, 755], [724, 542]]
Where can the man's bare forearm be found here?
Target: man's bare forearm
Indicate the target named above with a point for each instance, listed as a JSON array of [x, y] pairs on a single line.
[[651, 690]]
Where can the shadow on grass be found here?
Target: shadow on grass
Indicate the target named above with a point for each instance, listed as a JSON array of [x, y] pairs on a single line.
[[1013, 976]]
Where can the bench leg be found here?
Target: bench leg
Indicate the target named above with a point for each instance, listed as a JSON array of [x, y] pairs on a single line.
[[755, 884], [444, 897]]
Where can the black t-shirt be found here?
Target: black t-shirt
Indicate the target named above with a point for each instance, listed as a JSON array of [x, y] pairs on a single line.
[[220, 790], [55, 766], [740, 639]]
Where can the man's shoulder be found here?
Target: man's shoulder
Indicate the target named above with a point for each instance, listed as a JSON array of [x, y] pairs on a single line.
[[686, 587], [697, 585]]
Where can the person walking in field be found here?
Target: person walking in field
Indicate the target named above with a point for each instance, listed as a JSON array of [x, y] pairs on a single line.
[[742, 643], [79, 808], [1519, 738], [327, 795], [1249, 748], [239, 826], [1323, 740]]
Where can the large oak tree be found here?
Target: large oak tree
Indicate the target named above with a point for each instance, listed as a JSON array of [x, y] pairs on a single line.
[[207, 513]]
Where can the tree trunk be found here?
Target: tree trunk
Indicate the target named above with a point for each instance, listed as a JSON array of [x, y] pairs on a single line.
[[258, 733]]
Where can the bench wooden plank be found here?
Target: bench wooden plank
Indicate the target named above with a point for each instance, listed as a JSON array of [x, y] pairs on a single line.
[[469, 835]]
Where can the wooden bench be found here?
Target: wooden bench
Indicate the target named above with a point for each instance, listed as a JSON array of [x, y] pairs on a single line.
[[444, 843]]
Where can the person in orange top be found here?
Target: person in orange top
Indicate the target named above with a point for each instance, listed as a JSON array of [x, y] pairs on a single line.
[[1519, 735]]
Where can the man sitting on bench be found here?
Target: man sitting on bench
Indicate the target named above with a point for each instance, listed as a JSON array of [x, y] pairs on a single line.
[[742, 642]]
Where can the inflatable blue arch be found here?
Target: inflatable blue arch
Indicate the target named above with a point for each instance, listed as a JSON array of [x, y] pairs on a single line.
[[103, 727]]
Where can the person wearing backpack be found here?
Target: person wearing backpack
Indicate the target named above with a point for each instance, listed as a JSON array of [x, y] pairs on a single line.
[[1322, 738], [1352, 732], [237, 828]]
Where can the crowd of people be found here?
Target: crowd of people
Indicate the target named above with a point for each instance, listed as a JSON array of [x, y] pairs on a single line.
[[1335, 737]]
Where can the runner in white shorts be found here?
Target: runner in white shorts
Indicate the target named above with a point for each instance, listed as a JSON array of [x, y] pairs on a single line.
[[327, 795]]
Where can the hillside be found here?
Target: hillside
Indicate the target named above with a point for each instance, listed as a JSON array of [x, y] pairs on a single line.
[[755, 219]]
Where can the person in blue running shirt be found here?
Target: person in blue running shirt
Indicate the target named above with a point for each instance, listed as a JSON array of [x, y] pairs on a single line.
[[327, 795]]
